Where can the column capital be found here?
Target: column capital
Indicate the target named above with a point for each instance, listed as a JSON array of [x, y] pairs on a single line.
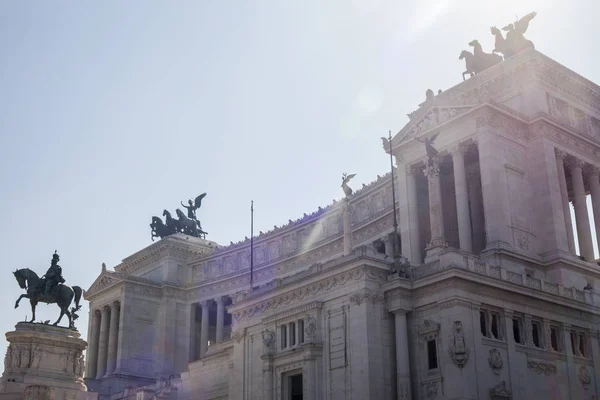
[[591, 170], [573, 162], [219, 299], [205, 303], [460, 149], [106, 308], [116, 305], [98, 312], [432, 169], [561, 154], [414, 169]]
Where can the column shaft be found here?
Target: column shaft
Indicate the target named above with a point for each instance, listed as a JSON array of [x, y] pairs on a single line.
[[204, 329], [220, 318], [402, 357], [436, 220], [113, 339], [347, 227], [103, 343], [462, 200], [413, 217], [562, 181], [595, 192], [581, 213], [92, 361], [193, 332]]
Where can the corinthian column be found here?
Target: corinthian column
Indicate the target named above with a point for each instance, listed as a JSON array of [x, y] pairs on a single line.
[[113, 338], [220, 318], [593, 173], [436, 219], [204, 328], [584, 232], [564, 194], [462, 198], [103, 343], [92, 359]]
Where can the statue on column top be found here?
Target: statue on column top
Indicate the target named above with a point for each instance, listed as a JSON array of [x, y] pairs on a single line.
[[345, 179]]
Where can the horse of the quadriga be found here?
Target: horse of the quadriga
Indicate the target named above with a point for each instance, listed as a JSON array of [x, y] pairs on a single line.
[[63, 295]]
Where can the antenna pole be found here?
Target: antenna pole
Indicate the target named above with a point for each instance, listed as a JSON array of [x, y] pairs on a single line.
[[251, 245]]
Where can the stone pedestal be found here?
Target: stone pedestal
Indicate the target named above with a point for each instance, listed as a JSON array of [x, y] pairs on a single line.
[[44, 362]]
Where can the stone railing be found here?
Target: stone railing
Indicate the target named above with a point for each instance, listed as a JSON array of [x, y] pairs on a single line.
[[284, 245]]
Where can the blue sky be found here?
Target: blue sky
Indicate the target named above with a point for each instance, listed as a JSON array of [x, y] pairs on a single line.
[[112, 111]]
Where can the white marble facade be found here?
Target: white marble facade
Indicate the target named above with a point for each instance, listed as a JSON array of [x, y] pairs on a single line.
[[496, 304]]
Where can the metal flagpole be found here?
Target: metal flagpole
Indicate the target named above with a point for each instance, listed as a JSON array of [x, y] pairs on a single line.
[[395, 238], [251, 244]]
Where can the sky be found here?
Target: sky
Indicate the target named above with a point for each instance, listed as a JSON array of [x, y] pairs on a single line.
[[112, 111]]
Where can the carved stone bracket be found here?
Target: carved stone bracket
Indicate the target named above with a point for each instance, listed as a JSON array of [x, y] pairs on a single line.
[[239, 334]]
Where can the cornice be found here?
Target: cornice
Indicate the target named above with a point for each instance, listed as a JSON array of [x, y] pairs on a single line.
[[305, 292]]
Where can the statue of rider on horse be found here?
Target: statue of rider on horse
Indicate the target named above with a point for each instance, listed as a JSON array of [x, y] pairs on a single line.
[[188, 225], [50, 288]]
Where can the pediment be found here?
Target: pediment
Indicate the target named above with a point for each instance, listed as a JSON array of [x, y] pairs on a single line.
[[104, 280], [428, 119]]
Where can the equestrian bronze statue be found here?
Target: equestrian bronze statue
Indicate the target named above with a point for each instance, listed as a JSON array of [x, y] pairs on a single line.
[[188, 225], [49, 289]]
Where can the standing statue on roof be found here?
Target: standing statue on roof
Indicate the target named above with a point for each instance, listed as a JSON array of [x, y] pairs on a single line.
[[515, 41]]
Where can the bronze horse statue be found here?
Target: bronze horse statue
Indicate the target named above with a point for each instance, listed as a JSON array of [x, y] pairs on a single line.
[[63, 296]]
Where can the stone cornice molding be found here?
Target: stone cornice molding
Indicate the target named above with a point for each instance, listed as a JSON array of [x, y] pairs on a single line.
[[304, 292], [578, 143], [178, 247], [293, 311]]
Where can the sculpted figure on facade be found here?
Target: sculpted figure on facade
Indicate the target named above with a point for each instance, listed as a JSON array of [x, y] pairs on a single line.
[[16, 357], [36, 357], [495, 361], [458, 348], [310, 326], [268, 337], [8, 358], [345, 179], [25, 357]]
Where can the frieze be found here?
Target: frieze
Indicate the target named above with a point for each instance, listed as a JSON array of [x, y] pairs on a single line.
[[300, 294], [296, 310], [359, 298], [542, 368], [455, 303], [503, 124]]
